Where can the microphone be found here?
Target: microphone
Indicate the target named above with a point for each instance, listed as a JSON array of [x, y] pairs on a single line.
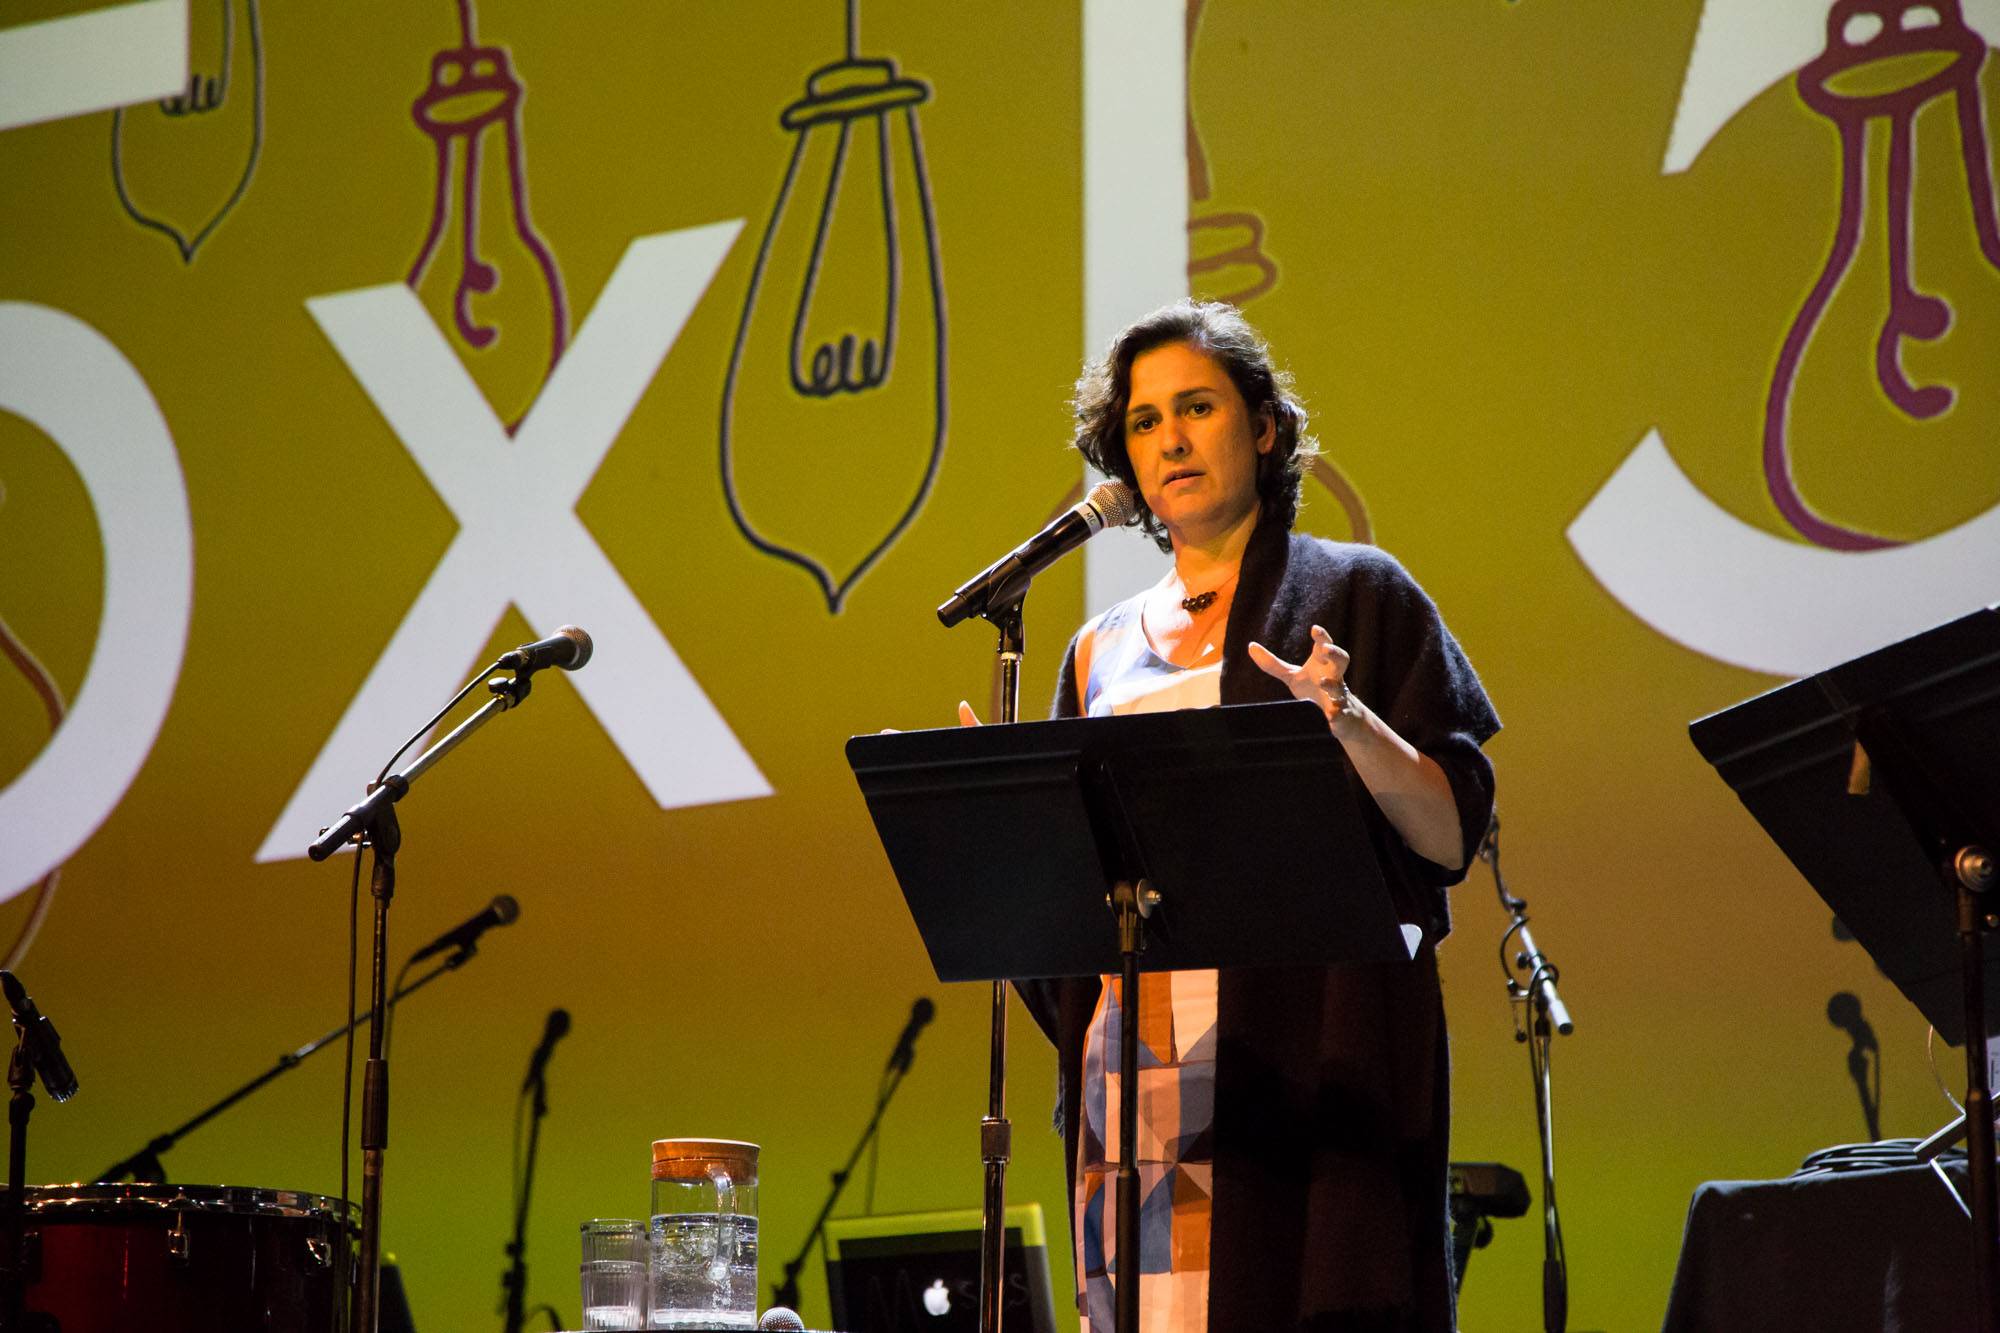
[[568, 648], [557, 1029], [1110, 504], [38, 1035], [921, 1013], [502, 911], [780, 1317]]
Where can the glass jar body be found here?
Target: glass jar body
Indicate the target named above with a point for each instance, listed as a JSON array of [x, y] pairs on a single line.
[[703, 1234]]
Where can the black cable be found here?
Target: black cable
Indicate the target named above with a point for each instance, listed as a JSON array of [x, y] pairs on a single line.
[[1842, 1157], [874, 1155], [436, 717], [389, 1010]]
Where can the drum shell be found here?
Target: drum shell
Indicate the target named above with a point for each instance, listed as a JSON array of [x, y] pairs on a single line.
[[113, 1258]]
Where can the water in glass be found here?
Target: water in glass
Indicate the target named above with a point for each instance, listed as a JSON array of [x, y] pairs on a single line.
[[704, 1270], [614, 1294]]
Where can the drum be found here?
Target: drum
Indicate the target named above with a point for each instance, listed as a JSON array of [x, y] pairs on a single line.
[[175, 1258]]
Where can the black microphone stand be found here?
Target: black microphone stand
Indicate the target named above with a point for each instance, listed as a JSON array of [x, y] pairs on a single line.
[[21, 1079], [1539, 1016], [374, 822], [145, 1164], [786, 1292], [36, 1048], [514, 1282], [995, 1134]]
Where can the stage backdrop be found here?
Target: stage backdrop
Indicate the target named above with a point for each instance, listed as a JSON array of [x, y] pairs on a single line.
[[343, 347]]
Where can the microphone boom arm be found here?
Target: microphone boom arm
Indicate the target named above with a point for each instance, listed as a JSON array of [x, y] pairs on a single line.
[[786, 1292], [145, 1163]]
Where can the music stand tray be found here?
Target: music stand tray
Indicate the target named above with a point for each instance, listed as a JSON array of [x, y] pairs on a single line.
[[1880, 779], [1789, 754], [1004, 841]]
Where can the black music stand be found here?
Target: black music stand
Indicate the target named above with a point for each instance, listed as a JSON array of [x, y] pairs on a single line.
[[1880, 779], [1063, 849]]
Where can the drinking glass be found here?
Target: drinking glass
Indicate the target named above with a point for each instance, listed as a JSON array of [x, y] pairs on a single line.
[[615, 1253]]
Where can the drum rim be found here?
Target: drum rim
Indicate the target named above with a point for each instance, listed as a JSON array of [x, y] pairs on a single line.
[[81, 1196]]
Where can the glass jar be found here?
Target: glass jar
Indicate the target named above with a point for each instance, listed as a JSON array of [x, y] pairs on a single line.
[[703, 1263]]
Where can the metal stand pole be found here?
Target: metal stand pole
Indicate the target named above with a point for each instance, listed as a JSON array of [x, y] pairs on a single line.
[[516, 1279], [21, 1079], [386, 836], [1970, 872], [1555, 1269], [1539, 1017], [374, 819], [995, 1134], [1943, 829], [1131, 903]]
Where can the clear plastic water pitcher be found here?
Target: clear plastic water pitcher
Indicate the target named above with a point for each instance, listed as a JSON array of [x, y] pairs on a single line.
[[703, 1263]]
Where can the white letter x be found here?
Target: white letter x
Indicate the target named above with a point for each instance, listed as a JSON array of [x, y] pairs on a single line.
[[520, 541]]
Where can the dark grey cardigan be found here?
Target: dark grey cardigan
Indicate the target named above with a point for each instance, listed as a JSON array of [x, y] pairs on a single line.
[[1332, 1105]]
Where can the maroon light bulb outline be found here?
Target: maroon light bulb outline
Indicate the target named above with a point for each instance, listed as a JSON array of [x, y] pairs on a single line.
[[472, 69], [1912, 314]]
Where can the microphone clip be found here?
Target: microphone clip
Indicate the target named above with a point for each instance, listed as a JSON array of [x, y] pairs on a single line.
[[511, 690]]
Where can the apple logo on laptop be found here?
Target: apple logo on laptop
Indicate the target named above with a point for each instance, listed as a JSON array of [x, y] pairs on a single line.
[[936, 1299]]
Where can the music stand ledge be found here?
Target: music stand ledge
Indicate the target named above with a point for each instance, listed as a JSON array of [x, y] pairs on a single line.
[[1880, 780], [1204, 838]]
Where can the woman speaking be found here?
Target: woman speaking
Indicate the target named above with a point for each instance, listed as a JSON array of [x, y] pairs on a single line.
[[1293, 1121]]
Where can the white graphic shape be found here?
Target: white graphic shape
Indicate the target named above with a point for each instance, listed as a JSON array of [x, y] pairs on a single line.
[[69, 381], [520, 541], [1743, 47], [93, 61], [1135, 214], [1730, 591], [1682, 563]]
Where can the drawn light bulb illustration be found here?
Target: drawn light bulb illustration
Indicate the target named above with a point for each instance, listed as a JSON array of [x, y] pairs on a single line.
[[181, 165], [49, 695], [1227, 262], [834, 404], [1883, 60], [1226, 259], [497, 293]]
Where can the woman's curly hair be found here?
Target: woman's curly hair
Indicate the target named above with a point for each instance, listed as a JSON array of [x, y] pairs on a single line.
[[1104, 391]]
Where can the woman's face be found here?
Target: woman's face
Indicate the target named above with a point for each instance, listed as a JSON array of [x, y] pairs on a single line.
[[1193, 442]]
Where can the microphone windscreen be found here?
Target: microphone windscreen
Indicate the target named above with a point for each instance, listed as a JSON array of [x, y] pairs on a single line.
[[1113, 499], [505, 910], [779, 1317], [583, 646]]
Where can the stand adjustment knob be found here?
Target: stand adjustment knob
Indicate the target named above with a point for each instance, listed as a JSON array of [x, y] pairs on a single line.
[[1974, 868]]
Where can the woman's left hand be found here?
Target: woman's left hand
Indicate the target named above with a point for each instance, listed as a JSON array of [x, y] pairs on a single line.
[[1321, 678]]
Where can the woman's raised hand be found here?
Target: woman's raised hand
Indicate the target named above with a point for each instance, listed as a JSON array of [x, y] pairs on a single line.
[[1321, 678]]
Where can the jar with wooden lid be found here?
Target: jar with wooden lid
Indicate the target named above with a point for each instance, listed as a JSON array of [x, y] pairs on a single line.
[[703, 1269]]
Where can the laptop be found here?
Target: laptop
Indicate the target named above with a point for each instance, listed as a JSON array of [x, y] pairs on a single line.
[[919, 1272]]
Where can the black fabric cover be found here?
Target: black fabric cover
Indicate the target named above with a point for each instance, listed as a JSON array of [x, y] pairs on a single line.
[[1332, 1099], [1887, 1251]]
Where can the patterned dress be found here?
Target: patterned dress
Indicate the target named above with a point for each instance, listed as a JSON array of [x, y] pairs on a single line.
[[1176, 1060]]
